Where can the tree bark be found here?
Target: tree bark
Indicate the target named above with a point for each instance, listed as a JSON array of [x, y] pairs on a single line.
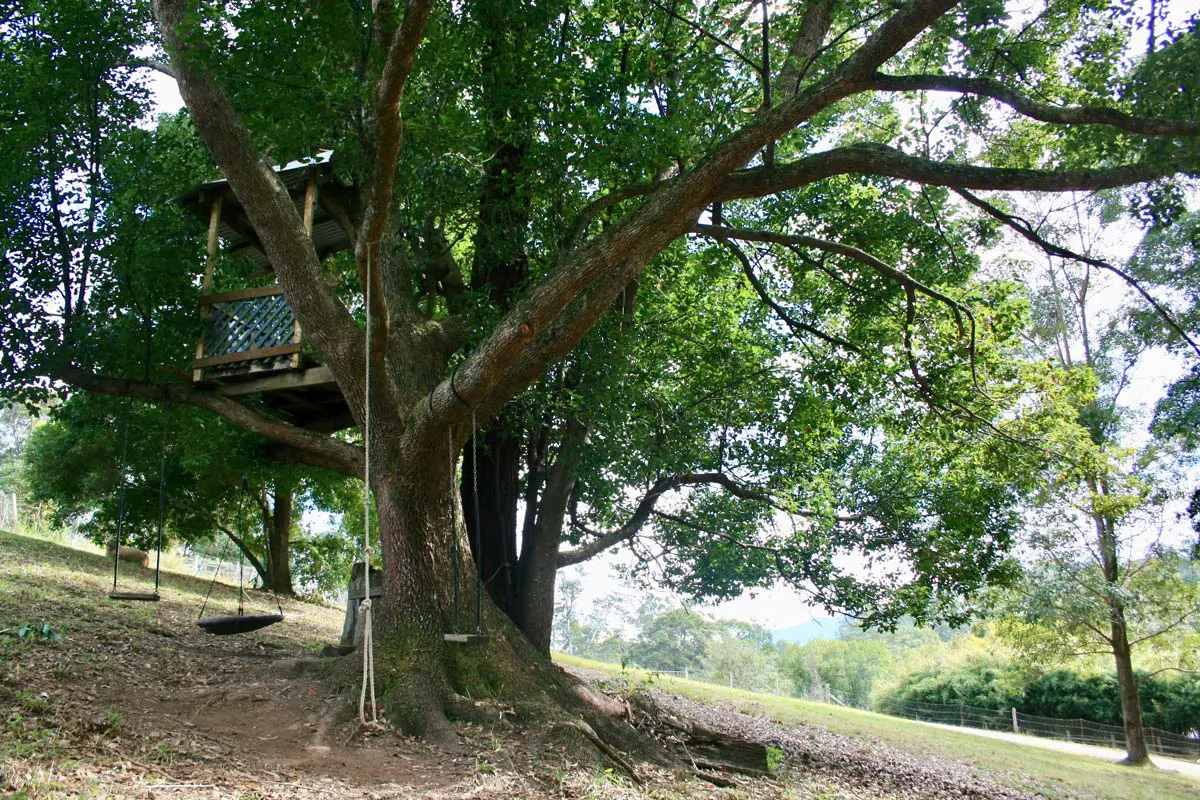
[[279, 539], [1131, 707], [534, 611], [420, 519], [495, 478], [1131, 704]]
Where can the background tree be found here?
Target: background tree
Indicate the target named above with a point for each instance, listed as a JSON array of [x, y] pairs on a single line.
[[92, 446], [16, 424], [676, 640], [848, 670], [1109, 575], [741, 654], [708, 143]]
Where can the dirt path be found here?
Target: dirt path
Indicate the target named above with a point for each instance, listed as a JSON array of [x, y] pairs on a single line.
[[1189, 768]]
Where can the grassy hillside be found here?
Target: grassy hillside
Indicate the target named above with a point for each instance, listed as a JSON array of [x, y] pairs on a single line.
[[1033, 769], [104, 699]]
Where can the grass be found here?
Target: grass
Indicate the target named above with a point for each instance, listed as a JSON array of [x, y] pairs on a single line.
[[35, 575], [43, 583], [1050, 772]]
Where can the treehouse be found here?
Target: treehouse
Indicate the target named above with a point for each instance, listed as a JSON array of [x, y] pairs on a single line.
[[252, 343]]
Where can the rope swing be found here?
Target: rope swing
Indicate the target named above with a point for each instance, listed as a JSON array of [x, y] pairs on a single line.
[[242, 622], [457, 636], [148, 597], [365, 613]]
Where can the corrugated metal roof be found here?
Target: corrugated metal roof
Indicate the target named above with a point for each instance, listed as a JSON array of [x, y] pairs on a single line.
[[237, 235]]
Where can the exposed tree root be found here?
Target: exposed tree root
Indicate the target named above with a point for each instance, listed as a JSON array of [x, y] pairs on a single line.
[[610, 752]]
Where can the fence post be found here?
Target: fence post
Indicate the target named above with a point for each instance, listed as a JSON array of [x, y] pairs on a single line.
[[685, 673], [961, 717], [731, 680], [1016, 728]]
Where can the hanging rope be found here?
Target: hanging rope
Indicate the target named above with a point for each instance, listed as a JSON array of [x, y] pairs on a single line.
[[121, 493], [457, 635], [453, 520], [365, 613], [162, 499], [478, 526]]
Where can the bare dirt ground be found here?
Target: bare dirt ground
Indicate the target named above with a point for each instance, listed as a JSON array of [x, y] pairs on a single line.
[[136, 701]]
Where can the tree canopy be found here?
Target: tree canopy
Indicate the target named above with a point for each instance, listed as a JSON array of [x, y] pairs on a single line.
[[722, 250]]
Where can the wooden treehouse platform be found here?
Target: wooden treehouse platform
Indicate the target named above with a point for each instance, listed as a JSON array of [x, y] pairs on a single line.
[[252, 343]]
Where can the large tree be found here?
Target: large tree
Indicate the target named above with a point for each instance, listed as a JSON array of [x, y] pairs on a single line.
[[631, 130]]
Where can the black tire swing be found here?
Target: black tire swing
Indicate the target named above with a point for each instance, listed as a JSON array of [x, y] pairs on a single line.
[[457, 635], [240, 622], [115, 593]]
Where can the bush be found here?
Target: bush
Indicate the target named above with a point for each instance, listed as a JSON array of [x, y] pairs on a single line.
[[983, 681], [1168, 703]]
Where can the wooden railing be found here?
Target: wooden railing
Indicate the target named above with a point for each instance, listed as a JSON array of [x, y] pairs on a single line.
[[246, 331]]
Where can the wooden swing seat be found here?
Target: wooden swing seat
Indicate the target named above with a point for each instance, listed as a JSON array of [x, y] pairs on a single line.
[[465, 638], [226, 626], [143, 597]]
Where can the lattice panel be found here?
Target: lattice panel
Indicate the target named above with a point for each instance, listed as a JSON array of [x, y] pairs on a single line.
[[242, 325]]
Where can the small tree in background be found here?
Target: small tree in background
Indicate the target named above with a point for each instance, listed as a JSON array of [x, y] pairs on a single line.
[[1108, 574]]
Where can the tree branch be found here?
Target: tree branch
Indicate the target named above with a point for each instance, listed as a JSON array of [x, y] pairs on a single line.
[[1026, 230], [263, 574], [910, 284], [388, 92], [748, 269], [814, 25], [885, 161], [332, 453], [745, 59], [1043, 112], [1166, 628], [645, 507]]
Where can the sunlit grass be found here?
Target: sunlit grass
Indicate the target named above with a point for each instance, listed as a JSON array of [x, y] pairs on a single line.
[[1050, 772], [45, 581]]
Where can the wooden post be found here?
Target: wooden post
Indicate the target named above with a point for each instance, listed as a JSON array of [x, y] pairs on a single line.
[[310, 196], [1016, 728], [210, 264]]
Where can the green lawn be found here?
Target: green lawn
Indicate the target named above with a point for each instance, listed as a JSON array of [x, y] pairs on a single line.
[[1048, 771]]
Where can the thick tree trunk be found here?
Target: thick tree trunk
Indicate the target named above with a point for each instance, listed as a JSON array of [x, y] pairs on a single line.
[[415, 530], [279, 539], [498, 475], [539, 552], [422, 677]]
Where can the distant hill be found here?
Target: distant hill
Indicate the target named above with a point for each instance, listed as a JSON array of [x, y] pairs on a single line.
[[817, 628]]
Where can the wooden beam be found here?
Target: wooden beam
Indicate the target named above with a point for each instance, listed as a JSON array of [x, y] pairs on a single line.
[[241, 294], [210, 265], [251, 293], [310, 195], [246, 355], [314, 376], [214, 229]]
